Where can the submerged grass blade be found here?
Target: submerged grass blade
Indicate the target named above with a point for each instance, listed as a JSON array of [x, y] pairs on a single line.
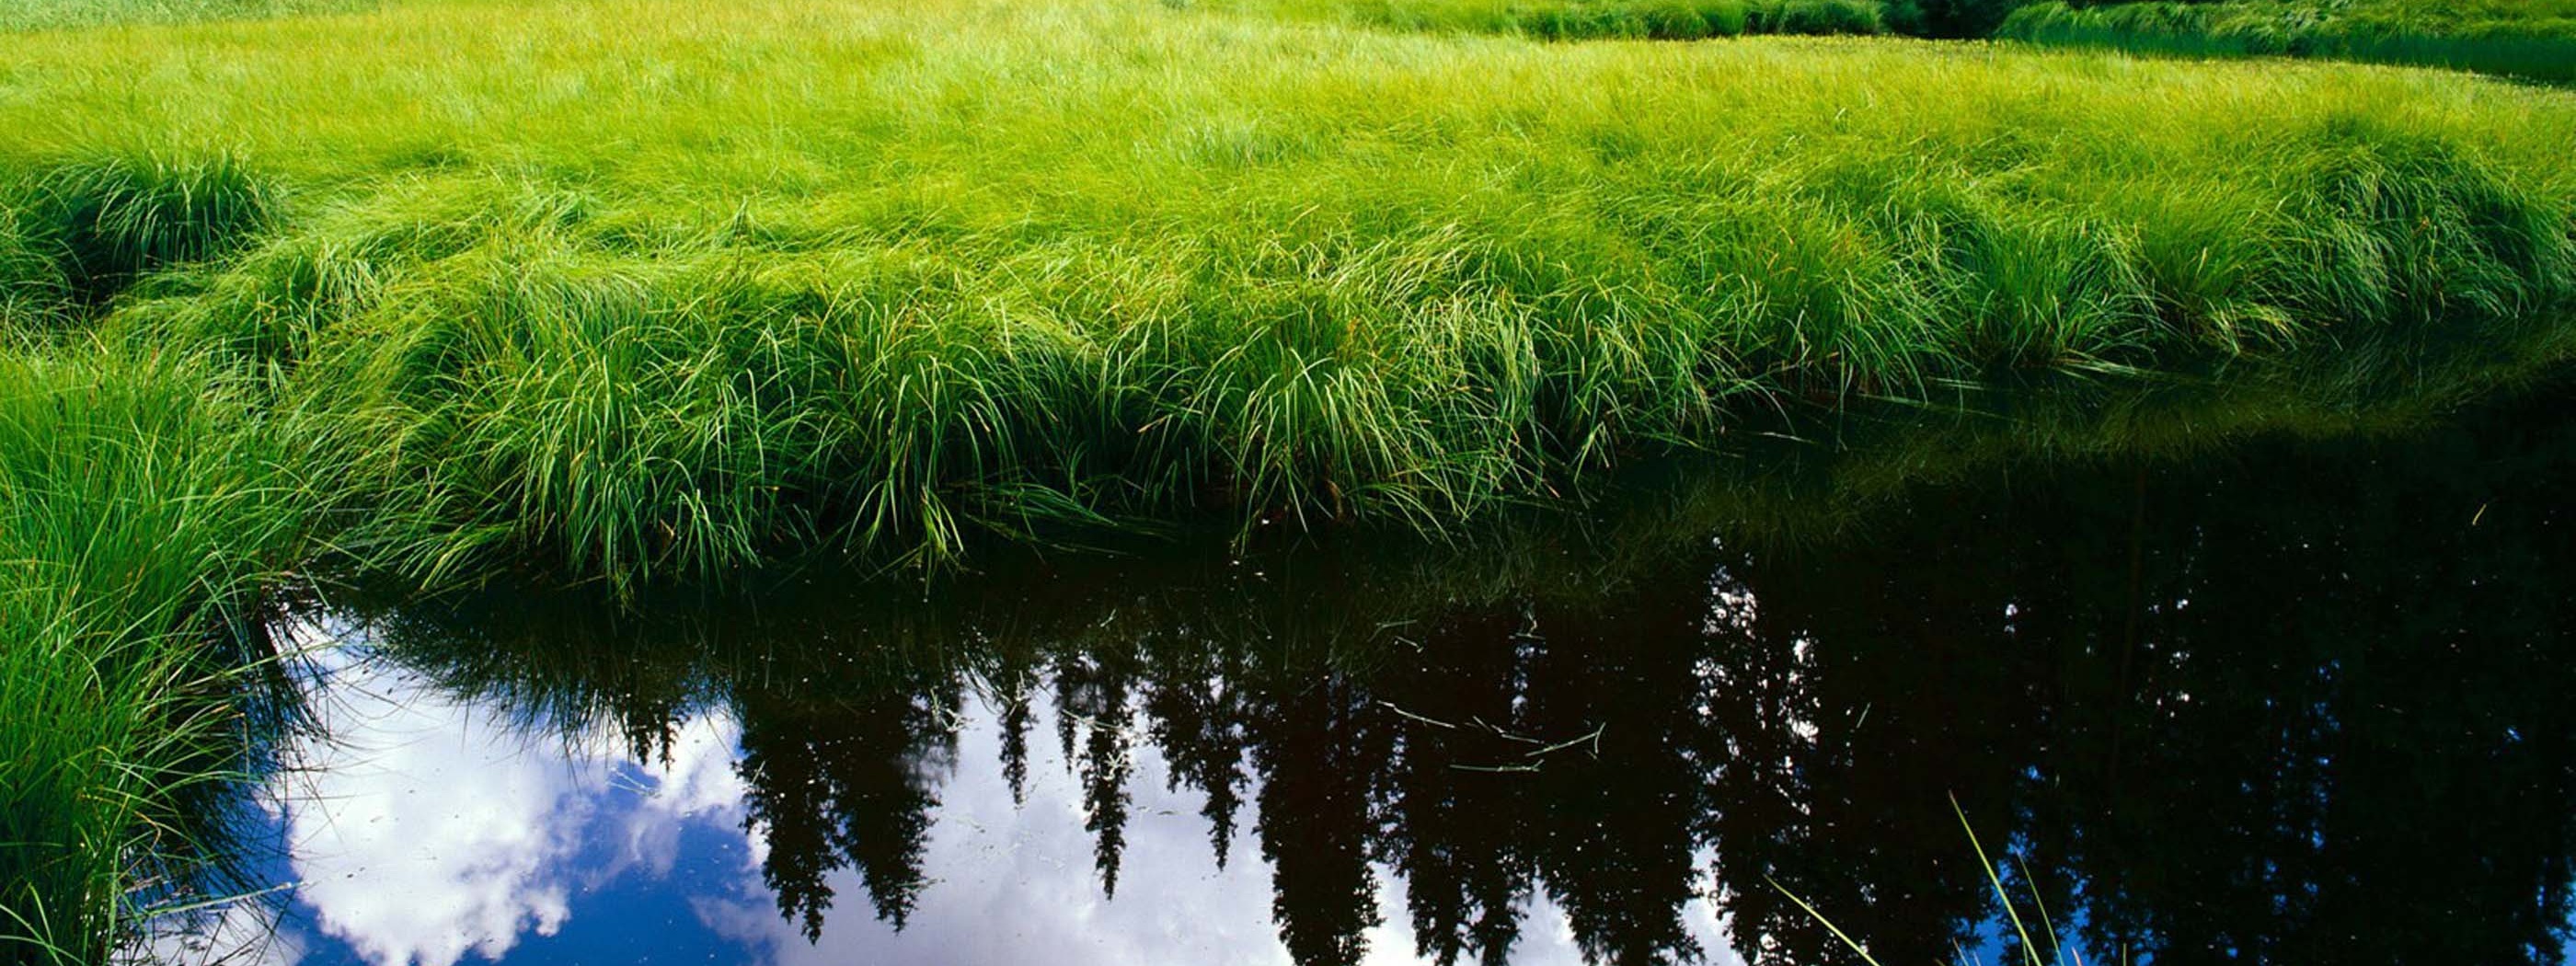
[[1847, 941], [1994, 877]]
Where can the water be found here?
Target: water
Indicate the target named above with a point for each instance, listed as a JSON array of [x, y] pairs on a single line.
[[2301, 702]]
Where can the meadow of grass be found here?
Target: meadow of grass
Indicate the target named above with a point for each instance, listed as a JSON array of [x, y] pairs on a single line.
[[641, 291], [1547, 19], [19, 15], [2534, 39], [631, 286]]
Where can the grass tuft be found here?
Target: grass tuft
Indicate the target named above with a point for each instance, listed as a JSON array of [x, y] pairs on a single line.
[[108, 221], [1590, 19], [2533, 39], [135, 515]]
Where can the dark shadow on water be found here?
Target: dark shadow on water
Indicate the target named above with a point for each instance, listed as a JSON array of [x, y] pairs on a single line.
[[2304, 701]]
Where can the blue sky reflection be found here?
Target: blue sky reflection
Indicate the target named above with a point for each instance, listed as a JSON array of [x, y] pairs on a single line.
[[428, 831]]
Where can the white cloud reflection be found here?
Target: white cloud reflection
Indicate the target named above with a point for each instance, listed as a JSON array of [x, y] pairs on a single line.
[[242, 933], [427, 829]]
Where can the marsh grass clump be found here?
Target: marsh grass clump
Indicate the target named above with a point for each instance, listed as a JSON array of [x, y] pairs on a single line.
[[547, 394], [2535, 39], [108, 221], [1588, 19], [134, 518], [33, 293], [2419, 232], [1815, 17]]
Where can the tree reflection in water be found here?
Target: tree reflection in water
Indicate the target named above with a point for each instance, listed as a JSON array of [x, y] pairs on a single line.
[[2306, 703]]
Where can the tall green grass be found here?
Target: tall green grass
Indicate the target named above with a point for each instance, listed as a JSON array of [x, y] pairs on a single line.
[[29, 15], [33, 290], [1587, 19], [142, 513], [104, 223], [2535, 40], [136, 521], [722, 283]]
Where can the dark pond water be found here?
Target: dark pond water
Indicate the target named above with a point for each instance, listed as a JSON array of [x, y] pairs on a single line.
[[2303, 702]]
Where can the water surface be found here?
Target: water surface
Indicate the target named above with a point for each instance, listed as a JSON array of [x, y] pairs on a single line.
[[2301, 702]]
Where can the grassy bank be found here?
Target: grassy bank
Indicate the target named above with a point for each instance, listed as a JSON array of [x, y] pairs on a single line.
[[1641, 19], [2534, 39], [619, 288], [1582, 19], [646, 291]]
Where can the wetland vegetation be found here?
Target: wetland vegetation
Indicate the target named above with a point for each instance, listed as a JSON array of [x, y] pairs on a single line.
[[651, 297], [2533, 39]]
